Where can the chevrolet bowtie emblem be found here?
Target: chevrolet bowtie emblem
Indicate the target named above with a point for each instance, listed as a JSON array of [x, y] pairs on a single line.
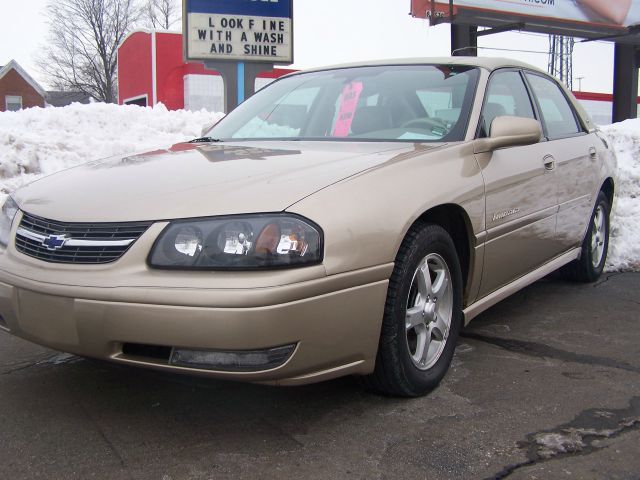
[[54, 242]]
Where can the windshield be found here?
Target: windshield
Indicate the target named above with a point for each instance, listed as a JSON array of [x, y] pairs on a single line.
[[423, 103]]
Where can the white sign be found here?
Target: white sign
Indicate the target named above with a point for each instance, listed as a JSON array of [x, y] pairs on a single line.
[[239, 37]]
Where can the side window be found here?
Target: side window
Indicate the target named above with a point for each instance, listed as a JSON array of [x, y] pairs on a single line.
[[506, 95], [557, 114]]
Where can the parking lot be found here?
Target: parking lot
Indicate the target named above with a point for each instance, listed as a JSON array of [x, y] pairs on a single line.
[[544, 385]]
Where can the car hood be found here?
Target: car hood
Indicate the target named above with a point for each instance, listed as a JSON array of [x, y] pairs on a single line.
[[195, 180]]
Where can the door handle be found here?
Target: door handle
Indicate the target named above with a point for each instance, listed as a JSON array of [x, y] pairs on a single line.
[[549, 162], [592, 152]]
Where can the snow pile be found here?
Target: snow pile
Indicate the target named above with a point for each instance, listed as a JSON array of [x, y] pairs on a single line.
[[624, 246], [36, 141]]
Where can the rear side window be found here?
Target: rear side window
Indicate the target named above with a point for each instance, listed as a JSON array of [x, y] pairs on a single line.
[[557, 114], [434, 101], [506, 95]]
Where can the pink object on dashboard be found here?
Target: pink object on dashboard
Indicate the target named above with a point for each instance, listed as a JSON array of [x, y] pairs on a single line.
[[348, 103]]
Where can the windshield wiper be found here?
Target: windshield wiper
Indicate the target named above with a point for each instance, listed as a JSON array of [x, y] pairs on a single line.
[[205, 140]]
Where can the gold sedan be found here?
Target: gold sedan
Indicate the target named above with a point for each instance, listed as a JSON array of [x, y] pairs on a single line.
[[346, 220]]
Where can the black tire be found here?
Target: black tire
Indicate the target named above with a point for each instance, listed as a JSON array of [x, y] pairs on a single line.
[[397, 372], [583, 269]]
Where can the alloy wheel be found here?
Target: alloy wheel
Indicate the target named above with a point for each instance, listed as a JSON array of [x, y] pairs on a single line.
[[429, 311], [598, 236]]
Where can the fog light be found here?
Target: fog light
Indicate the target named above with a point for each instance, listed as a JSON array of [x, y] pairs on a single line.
[[232, 361]]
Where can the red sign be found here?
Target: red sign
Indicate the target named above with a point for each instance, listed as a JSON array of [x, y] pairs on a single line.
[[602, 13]]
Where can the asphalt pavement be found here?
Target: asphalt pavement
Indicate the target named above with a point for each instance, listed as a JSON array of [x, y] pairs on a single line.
[[545, 385]]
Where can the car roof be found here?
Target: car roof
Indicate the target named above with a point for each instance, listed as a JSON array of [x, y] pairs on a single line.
[[488, 63]]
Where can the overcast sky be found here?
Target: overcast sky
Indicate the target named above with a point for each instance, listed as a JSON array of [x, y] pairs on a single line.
[[335, 31]]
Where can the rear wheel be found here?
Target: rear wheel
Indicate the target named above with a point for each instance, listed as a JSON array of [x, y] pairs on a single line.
[[595, 245], [423, 315]]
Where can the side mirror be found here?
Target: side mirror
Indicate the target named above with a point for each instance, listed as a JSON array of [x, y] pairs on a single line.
[[509, 131]]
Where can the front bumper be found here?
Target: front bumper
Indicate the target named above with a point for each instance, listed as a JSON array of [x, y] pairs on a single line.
[[93, 311], [336, 334]]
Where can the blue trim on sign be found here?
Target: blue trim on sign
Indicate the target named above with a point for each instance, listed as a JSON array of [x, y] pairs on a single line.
[[257, 8], [240, 82]]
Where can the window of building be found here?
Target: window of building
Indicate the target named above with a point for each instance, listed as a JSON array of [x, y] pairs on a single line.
[[203, 91], [14, 103], [141, 101]]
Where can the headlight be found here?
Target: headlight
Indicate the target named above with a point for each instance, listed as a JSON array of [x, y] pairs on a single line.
[[9, 210], [238, 243]]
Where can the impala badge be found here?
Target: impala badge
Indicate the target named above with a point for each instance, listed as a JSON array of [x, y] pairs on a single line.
[[504, 214]]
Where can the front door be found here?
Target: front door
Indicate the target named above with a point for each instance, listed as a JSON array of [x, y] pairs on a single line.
[[521, 191]]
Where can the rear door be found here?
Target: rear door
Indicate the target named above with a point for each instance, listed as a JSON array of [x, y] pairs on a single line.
[[575, 156], [521, 191]]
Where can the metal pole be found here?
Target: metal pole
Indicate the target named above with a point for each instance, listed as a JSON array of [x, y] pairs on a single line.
[[625, 82], [464, 40], [241, 82]]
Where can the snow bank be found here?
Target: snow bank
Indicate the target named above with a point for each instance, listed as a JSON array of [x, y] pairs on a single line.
[[624, 247], [36, 141]]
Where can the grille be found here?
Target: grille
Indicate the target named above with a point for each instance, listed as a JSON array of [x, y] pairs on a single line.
[[81, 243]]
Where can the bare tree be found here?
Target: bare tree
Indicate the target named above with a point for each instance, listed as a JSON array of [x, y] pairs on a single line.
[[161, 13], [81, 53]]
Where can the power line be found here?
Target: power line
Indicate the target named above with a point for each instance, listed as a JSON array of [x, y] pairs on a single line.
[[544, 35], [512, 50]]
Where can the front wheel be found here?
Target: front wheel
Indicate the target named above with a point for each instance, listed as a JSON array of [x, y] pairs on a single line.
[[423, 315], [595, 245]]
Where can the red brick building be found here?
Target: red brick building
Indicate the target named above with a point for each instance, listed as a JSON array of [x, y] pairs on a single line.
[[18, 90]]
